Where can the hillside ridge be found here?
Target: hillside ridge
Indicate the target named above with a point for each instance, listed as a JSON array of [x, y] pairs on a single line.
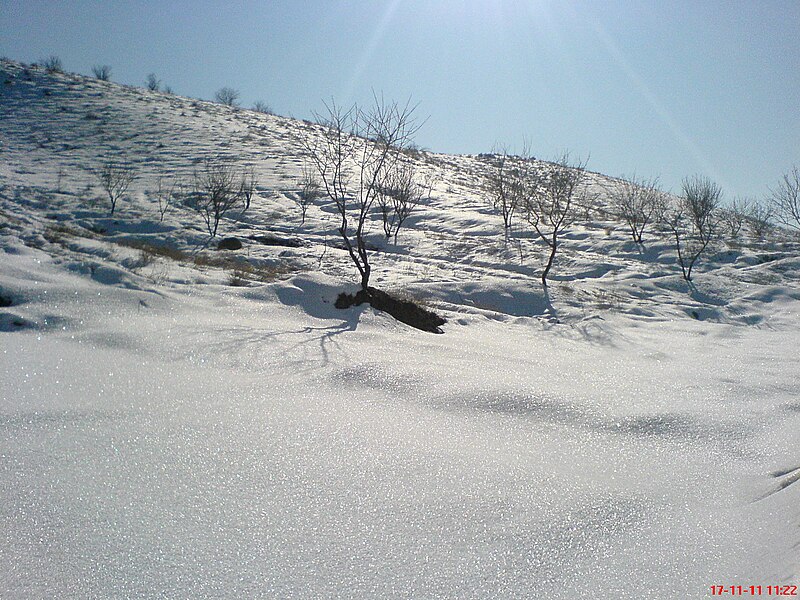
[[452, 253]]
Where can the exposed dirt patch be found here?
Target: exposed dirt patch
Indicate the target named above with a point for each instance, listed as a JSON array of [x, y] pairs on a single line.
[[404, 311], [273, 239]]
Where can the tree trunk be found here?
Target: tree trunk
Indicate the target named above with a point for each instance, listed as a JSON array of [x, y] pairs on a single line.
[[365, 278], [549, 264]]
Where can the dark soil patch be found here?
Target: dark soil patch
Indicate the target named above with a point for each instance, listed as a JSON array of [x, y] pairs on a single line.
[[230, 243], [404, 311], [271, 239], [6, 301]]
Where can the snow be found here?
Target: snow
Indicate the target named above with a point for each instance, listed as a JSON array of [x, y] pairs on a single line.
[[166, 434]]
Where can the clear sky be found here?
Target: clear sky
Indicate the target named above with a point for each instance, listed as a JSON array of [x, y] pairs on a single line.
[[665, 88]]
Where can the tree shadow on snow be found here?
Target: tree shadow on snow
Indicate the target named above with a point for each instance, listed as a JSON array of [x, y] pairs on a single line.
[[246, 347]]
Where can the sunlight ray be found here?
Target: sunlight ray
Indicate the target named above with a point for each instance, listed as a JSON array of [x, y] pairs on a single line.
[[369, 50], [678, 133]]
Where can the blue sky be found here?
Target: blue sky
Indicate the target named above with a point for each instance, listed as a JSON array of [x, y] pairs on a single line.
[[670, 88]]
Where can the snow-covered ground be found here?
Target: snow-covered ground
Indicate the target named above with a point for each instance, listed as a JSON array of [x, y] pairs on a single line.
[[164, 433]]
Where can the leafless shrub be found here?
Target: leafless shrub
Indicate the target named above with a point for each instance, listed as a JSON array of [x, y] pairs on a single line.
[[355, 154], [552, 201], [785, 199], [115, 179], [638, 202], [735, 216], [506, 183], [262, 107], [693, 221], [247, 186], [760, 220], [227, 96], [399, 196], [152, 82], [165, 194], [52, 64], [310, 190], [102, 72]]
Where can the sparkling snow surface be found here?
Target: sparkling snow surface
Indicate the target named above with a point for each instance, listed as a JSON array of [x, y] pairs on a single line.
[[219, 443], [164, 434]]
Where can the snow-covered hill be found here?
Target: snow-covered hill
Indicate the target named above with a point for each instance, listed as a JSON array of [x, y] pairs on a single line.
[[181, 421]]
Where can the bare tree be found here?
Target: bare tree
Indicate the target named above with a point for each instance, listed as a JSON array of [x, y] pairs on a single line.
[[216, 191], [227, 96], [786, 199], [165, 193], [398, 198], [736, 215], [152, 82], [310, 190], [692, 221], [550, 207], [102, 72], [247, 187], [506, 183], [354, 155], [638, 202], [115, 179], [760, 220]]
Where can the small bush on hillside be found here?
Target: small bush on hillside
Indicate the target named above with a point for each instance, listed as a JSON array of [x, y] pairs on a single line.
[[310, 190], [262, 107], [102, 72], [52, 64], [735, 216], [115, 179], [760, 220], [247, 187], [227, 96], [400, 196], [165, 194], [693, 221], [506, 182], [152, 82]]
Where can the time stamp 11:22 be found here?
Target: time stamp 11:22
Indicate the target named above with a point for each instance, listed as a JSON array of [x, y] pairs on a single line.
[[754, 590]]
